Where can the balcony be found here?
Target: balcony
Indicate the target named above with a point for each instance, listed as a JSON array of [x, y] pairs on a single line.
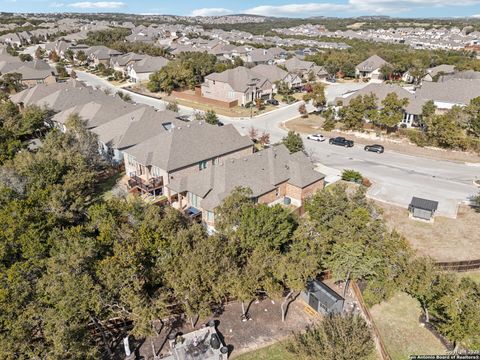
[[146, 185]]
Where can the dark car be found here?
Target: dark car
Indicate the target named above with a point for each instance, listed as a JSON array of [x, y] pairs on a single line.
[[374, 148], [341, 141], [272, 102]]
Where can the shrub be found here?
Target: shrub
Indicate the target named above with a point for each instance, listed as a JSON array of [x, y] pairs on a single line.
[[352, 175], [417, 137]]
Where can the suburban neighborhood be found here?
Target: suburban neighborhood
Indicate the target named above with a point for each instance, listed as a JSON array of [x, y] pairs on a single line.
[[213, 186]]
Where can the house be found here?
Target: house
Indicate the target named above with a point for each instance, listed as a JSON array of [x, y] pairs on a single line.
[[274, 74], [101, 55], [181, 150], [33, 72], [321, 298], [370, 68], [141, 70], [274, 176], [239, 84], [412, 111], [300, 67], [121, 62], [437, 71], [449, 93], [422, 208]]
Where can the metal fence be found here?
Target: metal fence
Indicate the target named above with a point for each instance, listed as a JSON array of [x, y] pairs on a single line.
[[459, 266]]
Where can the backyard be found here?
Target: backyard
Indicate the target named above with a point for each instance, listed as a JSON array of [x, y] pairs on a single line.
[[403, 334], [444, 240]]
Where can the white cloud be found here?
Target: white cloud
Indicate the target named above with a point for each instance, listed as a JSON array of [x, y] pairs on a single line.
[[56, 4], [98, 5], [387, 7], [295, 9], [211, 12]]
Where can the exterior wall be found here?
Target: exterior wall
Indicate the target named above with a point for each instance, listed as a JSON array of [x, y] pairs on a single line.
[[295, 192], [32, 82], [271, 196], [199, 98], [221, 91]]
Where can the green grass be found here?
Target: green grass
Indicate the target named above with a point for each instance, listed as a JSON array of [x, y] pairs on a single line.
[[273, 352], [474, 275], [398, 322], [103, 189]]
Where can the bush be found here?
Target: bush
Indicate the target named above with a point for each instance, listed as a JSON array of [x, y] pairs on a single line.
[[329, 125], [352, 175], [417, 137]]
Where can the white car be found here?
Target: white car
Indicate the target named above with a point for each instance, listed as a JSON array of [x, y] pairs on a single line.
[[316, 137]]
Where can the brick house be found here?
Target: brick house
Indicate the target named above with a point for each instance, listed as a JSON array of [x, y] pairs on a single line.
[[180, 151], [274, 176]]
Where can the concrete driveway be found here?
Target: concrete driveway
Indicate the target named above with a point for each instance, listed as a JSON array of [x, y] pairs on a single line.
[[396, 177]]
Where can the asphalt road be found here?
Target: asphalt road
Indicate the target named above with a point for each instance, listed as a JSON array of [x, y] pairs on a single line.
[[396, 177]]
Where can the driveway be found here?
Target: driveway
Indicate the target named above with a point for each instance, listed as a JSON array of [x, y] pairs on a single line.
[[396, 177]]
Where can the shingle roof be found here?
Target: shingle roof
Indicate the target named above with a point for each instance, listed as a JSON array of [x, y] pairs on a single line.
[[150, 64], [238, 78], [188, 144], [372, 63], [424, 204], [261, 172], [272, 72], [455, 91], [296, 65]]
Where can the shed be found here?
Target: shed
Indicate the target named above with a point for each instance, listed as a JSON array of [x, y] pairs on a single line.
[[322, 298], [423, 208]]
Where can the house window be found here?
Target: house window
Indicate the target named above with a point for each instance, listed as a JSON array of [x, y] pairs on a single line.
[[202, 165], [210, 216], [215, 161], [155, 171], [277, 192], [231, 94], [130, 160], [193, 200]]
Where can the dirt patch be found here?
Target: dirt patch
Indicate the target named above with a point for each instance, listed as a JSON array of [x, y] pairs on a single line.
[[264, 328], [445, 239], [314, 122]]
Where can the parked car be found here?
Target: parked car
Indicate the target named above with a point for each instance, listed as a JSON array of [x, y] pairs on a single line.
[[316, 137], [341, 141], [272, 102], [375, 148]]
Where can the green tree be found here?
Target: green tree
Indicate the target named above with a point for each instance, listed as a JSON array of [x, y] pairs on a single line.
[[81, 57], [317, 95], [211, 117], [172, 106], [473, 111], [392, 110], [293, 141], [338, 337]]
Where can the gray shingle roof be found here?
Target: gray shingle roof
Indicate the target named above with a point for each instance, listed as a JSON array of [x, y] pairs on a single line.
[[372, 63], [239, 78], [185, 145], [455, 91], [261, 172]]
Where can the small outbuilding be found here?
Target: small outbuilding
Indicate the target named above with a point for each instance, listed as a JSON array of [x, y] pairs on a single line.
[[423, 208], [322, 298]]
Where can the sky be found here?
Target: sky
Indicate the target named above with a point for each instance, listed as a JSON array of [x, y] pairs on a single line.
[[288, 8]]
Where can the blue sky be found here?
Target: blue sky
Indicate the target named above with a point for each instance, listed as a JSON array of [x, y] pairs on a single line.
[[291, 8]]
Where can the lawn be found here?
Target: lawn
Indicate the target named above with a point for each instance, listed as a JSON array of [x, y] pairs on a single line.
[[273, 352], [398, 322], [312, 124], [474, 275], [445, 240]]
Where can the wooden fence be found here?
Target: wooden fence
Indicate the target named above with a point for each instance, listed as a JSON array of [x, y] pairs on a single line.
[[459, 266], [378, 337]]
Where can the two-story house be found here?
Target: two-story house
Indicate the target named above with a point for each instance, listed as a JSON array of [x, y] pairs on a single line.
[[239, 84], [274, 176], [179, 151]]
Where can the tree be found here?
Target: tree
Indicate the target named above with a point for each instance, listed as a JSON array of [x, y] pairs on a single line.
[[317, 95], [39, 53], [428, 111], [421, 282], [329, 116], [25, 57], [359, 109], [62, 72], [337, 337], [211, 117], [473, 111], [11, 82], [293, 141], [81, 57], [391, 113], [302, 109], [172, 106], [54, 56], [70, 56]]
